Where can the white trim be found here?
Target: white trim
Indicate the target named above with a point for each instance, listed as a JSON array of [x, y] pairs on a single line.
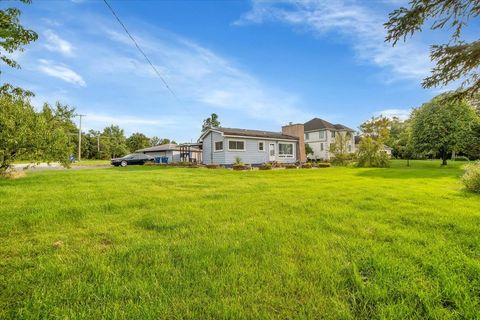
[[215, 146], [274, 156], [286, 155], [258, 146], [207, 132], [237, 140]]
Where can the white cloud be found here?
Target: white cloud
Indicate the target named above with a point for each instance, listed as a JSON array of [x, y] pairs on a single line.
[[55, 43], [355, 23], [402, 114], [197, 74], [60, 71]]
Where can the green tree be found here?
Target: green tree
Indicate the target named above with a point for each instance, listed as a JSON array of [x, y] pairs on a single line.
[[472, 149], [341, 148], [458, 59], [308, 149], [155, 141], [211, 122], [137, 141], [397, 129], [114, 142], [443, 126], [13, 36], [374, 132], [404, 145], [30, 135]]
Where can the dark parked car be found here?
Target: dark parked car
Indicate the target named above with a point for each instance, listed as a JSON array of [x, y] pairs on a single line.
[[134, 158]]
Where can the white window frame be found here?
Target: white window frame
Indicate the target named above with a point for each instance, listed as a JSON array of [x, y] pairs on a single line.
[[237, 140], [307, 135], [286, 155], [263, 146], [215, 146], [332, 134], [321, 146], [321, 134]]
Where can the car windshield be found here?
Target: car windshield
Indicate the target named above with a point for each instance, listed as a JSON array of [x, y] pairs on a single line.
[[129, 156]]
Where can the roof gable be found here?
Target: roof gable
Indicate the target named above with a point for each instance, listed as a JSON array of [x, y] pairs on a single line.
[[320, 124]]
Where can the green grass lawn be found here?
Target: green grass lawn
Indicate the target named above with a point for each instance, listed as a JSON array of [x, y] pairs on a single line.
[[91, 163], [179, 243]]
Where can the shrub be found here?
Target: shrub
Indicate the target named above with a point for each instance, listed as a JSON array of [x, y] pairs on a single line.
[[265, 166], [240, 167], [323, 165], [371, 154], [307, 165], [461, 158], [471, 177], [238, 161], [290, 166], [276, 164], [212, 166]]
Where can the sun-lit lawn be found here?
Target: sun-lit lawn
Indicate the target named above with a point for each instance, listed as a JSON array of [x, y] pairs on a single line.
[[91, 163], [173, 243]]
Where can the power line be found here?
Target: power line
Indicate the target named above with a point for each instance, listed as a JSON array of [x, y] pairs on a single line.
[[140, 49]]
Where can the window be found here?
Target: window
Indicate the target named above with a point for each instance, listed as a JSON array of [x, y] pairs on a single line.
[[219, 146], [349, 148], [333, 134], [285, 149], [321, 146], [236, 145], [261, 146], [307, 136], [321, 134]]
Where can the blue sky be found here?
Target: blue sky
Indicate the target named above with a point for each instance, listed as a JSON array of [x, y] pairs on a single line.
[[256, 64]]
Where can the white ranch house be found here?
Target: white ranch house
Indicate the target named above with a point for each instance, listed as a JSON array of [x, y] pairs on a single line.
[[223, 145]]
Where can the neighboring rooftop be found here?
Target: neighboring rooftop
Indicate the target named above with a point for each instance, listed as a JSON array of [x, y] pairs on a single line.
[[161, 147], [317, 123], [254, 133]]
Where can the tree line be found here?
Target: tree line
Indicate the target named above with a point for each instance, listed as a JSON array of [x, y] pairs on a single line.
[[112, 142], [443, 128]]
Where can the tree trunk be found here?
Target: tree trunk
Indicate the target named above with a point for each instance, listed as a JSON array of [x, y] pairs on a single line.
[[444, 158]]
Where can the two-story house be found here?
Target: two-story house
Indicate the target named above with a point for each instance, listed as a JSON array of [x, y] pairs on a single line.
[[319, 134]]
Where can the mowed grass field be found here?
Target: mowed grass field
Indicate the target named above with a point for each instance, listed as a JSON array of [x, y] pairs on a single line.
[[173, 243]]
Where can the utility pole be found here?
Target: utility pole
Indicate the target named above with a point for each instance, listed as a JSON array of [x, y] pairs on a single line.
[[80, 136]]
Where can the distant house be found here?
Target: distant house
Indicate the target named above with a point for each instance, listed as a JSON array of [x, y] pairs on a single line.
[[173, 152], [223, 145], [319, 134], [386, 148]]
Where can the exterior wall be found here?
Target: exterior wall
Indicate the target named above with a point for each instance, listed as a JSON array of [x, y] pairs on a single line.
[[297, 130], [251, 154], [209, 156], [173, 156], [314, 141]]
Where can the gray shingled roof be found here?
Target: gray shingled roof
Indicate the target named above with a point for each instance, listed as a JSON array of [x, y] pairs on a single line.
[[317, 123], [161, 147], [254, 133]]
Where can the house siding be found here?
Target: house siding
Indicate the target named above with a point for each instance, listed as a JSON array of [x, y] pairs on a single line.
[[210, 156], [251, 154], [314, 142]]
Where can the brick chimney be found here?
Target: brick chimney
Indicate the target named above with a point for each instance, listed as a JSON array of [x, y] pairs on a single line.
[[297, 130]]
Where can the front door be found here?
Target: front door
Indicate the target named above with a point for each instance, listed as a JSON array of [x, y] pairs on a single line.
[[271, 150]]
